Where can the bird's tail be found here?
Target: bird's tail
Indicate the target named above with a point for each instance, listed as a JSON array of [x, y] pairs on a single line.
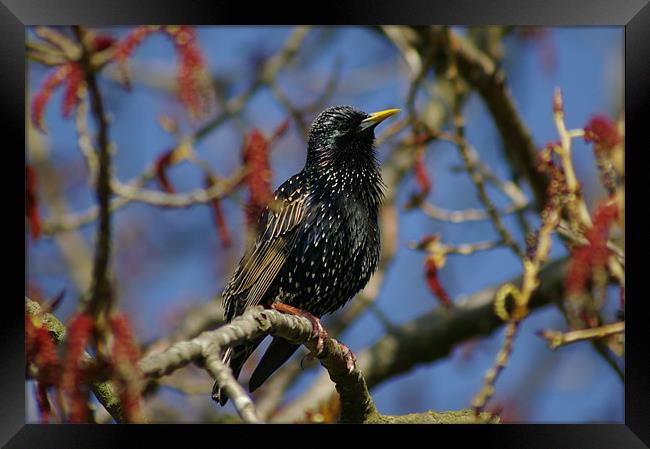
[[277, 353], [235, 358]]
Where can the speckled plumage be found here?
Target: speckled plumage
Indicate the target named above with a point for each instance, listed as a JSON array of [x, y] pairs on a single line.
[[318, 242]]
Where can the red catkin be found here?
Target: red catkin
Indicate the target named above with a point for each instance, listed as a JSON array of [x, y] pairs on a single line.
[[219, 218], [192, 77], [258, 177], [72, 83], [421, 175], [602, 131], [125, 362], [41, 351], [69, 74], [431, 275], [73, 379], [127, 45], [594, 254]]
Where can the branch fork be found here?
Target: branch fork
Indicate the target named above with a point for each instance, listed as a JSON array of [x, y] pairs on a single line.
[[206, 349]]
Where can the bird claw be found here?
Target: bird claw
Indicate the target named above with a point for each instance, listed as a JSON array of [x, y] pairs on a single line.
[[318, 332], [350, 358]]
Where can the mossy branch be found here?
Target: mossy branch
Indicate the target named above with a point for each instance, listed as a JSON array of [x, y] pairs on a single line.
[[357, 405]]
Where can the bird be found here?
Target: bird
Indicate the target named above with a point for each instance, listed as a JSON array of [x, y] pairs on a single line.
[[318, 240]]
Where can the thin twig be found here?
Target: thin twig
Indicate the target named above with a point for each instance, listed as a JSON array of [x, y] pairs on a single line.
[[580, 218], [555, 339], [163, 199], [469, 162], [461, 216], [464, 249]]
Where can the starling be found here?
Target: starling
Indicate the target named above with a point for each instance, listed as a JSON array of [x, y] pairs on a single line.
[[318, 240]]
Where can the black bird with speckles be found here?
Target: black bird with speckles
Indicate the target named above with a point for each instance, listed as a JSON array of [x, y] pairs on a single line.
[[318, 242]]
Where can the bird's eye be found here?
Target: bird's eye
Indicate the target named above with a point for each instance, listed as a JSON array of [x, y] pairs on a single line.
[[345, 129]]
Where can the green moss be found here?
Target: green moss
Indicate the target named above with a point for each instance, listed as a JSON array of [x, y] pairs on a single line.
[[430, 417], [55, 326]]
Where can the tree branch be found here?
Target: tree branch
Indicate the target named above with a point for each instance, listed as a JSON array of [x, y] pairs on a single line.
[[206, 350], [430, 338], [101, 296], [480, 71], [357, 406]]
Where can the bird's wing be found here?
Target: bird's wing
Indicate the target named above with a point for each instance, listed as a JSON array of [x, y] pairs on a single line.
[[263, 261]]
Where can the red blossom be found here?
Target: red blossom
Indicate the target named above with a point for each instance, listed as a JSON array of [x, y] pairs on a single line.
[[422, 179], [127, 45], [73, 81], [193, 82], [194, 85], [219, 218], [41, 351], [32, 212], [421, 175], [258, 176], [557, 189], [125, 362], [72, 382], [579, 271], [70, 74], [592, 255], [125, 347], [602, 131], [604, 216], [162, 163], [431, 275]]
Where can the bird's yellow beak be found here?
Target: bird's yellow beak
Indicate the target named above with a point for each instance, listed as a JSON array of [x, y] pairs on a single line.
[[377, 117]]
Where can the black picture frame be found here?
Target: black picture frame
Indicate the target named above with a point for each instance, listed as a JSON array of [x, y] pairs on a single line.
[[634, 15]]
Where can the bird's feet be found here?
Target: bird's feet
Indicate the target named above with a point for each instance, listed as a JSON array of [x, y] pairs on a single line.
[[350, 358], [319, 332]]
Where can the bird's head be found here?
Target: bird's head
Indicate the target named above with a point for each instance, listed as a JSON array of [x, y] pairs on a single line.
[[342, 134]]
